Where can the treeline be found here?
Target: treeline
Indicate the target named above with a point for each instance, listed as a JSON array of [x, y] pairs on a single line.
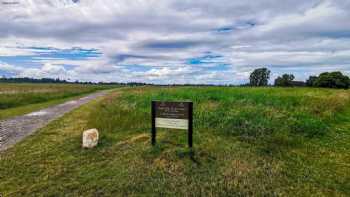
[[261, 76], [199, 85], [329, 80], [31, 80], [60, 81]]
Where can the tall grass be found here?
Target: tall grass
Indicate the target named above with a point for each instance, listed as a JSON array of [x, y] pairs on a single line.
[[247, 142], [243, 112], [16, 95]]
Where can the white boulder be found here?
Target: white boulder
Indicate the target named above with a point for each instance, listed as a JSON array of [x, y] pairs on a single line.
[[90, 138]]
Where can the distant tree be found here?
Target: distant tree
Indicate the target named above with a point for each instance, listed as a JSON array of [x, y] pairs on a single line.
[[260, 77], [285, 80], [332, 80], [311, 81]]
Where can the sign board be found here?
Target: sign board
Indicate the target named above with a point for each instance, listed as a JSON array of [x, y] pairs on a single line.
[[172, 115]]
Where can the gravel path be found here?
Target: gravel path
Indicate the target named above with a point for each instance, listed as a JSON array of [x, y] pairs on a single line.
[[15, 129]]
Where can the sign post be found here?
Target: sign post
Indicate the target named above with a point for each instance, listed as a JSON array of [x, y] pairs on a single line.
[[190, 124], [172, 115], [153, 123]]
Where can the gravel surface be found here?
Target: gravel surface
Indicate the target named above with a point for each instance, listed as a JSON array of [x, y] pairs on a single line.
[[15, 129]]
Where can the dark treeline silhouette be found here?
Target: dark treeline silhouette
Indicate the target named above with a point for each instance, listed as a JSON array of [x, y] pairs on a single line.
[[32, 80], [59, 81]]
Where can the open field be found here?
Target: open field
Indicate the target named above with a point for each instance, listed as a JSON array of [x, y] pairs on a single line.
[[247, 141], [17, 99]]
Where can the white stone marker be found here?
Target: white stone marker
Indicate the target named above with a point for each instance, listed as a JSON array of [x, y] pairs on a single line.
[[90, 138]]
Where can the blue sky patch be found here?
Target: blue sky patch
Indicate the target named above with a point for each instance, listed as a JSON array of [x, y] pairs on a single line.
[[205, 59], [49, 53], [68, 54]]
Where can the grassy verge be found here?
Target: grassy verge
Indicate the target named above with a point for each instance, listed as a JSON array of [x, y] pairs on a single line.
[[16, 111], [18, 99], [248, 142]]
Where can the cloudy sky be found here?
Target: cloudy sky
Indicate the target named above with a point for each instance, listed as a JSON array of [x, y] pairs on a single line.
[[172, 41]]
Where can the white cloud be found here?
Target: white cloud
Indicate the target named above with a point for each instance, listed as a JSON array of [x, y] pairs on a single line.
[[288, 36], [47, 70], [7, 68], [13, 51]]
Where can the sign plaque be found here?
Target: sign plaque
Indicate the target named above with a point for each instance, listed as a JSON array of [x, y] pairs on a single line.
[[172, 115]]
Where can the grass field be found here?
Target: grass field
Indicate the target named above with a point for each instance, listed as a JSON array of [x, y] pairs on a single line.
[[247, 142], [17, 99]]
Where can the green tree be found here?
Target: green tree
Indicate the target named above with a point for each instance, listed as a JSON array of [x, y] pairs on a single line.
[[332, 80], [311, 81], [260, 77], [284, 80]]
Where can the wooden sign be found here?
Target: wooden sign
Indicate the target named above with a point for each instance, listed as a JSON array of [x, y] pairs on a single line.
[[172, 115]]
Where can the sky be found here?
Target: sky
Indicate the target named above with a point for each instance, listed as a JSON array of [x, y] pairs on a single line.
[[173, 41]]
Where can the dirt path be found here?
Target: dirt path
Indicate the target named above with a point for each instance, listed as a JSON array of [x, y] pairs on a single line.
[[15, 129]]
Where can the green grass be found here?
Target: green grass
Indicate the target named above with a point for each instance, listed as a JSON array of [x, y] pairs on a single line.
[[18, 99], [248, 142]]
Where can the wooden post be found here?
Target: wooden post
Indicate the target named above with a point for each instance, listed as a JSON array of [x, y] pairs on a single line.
[[153, 123], [190, 125]]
